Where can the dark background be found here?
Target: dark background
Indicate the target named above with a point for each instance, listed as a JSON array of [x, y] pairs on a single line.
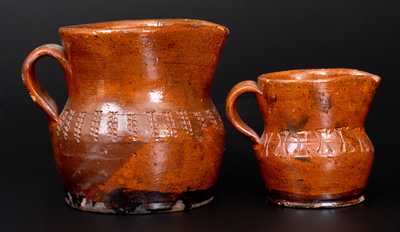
[[265, 36]]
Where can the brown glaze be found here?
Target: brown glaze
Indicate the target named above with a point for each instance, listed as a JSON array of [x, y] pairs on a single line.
[[139, 131], [314, 151]]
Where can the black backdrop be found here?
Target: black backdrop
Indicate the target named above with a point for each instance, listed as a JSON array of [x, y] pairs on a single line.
[[265, 36]]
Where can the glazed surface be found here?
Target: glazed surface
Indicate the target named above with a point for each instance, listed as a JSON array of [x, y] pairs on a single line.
[[315, 146], [314, 151], [169, 152], [324, 164], [139, 119]]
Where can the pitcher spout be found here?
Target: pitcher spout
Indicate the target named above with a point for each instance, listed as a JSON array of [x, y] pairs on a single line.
[[363, 91]]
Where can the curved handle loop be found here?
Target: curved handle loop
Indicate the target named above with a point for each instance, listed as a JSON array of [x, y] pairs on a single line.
[[231, 108], [39, 95]]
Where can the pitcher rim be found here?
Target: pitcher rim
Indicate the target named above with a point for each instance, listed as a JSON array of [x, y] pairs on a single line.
[[317, 75], [136, 25]]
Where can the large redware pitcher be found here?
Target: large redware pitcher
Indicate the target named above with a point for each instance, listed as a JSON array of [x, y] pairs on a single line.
[[139, 132]]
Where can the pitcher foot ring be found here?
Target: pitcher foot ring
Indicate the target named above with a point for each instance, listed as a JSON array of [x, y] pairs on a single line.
[[317, 203]]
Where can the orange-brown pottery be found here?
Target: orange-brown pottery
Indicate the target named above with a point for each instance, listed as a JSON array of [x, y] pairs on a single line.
[[139, 132], [314, 151]]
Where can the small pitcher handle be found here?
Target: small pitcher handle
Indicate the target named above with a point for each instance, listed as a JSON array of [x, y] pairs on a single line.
[[231, 108], [39, 95]]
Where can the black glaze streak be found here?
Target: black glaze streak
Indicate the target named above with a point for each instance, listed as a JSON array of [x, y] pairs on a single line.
[[297, 125], [341, 124], [303, 159], [323, 101], [191, 197], [124, 201]]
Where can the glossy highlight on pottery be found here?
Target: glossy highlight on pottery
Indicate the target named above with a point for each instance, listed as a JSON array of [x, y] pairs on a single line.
[[314, 151], [139, 132]]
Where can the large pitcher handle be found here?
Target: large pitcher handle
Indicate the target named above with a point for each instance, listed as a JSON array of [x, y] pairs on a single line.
[[39, 95], [231, 108]]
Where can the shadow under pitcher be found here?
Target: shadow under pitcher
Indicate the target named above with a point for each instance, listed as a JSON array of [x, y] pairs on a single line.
[[139, 132], [314, 152]]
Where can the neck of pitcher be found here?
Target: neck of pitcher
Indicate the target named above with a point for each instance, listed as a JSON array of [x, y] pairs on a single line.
[[175, 61], [307, 106]]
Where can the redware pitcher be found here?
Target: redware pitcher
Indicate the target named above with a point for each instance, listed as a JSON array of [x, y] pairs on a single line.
[[314, 151], [139, 132]]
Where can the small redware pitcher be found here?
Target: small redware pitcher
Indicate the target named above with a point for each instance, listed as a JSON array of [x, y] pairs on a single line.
[[314, 151], [139, 132]]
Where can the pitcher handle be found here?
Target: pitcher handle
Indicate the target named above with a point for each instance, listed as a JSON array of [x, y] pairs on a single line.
[[231, 108], [39, 96]]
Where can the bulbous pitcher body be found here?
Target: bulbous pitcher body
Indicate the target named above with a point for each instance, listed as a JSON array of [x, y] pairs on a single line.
[[139, 132], [314, 151]]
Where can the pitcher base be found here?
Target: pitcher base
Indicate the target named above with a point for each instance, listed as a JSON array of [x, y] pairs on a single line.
[[314, 204], [143, 203]]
